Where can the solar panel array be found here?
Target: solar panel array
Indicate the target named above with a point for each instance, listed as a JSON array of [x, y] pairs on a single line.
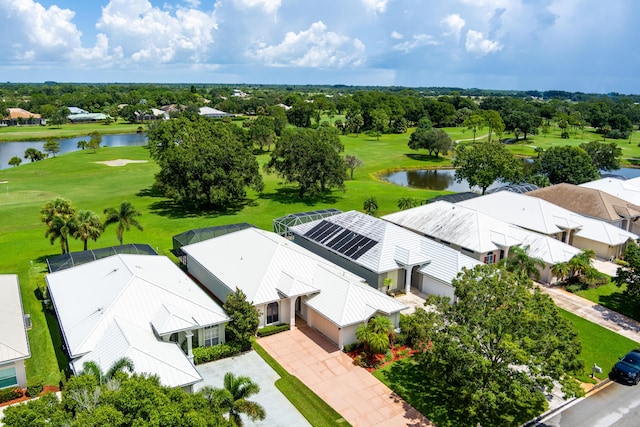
[[340, 239]]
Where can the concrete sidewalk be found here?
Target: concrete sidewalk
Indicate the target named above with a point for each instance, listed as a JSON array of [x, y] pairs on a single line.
[[593, 312]]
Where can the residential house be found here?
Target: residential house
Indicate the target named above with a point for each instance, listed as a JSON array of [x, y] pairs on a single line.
[[384, 254], [20, 116], [138, 306], [14, 344], [627, 190], [593, 203], [534, 214], [284, 281], [481, 236], [213, 113]]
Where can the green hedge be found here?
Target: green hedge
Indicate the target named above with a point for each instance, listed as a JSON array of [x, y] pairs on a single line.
[[34, 387], [10, 394], [216, 352], [272, 329]]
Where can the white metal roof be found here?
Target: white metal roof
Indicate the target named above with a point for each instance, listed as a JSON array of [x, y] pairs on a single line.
[[449, 264], [14, 344], [548, 249], [146, 291], [469, 228], [395, 246], [268, 267], [628, 190], [544, 217]]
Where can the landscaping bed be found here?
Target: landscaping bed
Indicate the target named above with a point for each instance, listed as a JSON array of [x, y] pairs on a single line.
[[371, 361], [24, 396]]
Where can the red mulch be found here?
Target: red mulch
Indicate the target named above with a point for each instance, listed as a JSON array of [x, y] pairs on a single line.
[[377, 361], [46, 389]]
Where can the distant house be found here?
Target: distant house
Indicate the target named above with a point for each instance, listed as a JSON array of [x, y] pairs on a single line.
[[382, 252], [284, 282], [14, 344], [213, 113], [481, 236], [86, 117], [138, 306], [77, 110], [593, 203], [627, 190], [19, 116], [543, 217]]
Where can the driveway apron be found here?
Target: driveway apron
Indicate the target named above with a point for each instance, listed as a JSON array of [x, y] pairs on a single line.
[[352, 391]]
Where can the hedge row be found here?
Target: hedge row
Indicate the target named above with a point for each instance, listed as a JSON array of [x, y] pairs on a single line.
[[216, 352], [10, 394], [272, 329]]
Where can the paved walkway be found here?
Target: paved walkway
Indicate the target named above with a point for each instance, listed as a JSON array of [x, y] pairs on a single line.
[[593, 312], [352, 391], [280, 412]]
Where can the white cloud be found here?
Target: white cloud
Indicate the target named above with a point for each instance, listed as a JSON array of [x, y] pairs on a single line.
[[417, 41], [146, 33], [377, 6], [453, 24], [478, 44], [35, 33], [396, 35], [315, 47], [269, 6]]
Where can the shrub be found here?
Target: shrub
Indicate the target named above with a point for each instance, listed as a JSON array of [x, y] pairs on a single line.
[[34, 387], [575, 287], [388, 357], [216, 352], [348, 348], [272, 329], [9, 394]]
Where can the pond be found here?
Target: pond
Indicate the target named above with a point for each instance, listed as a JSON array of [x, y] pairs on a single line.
[[444, 179], [10, 149]]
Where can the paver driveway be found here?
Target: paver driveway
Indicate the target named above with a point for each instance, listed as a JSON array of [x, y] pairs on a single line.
[[352, 391]]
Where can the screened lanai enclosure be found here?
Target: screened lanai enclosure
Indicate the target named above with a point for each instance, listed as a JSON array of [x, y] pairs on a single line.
[[200, 234], [281, 225], [73, 259]]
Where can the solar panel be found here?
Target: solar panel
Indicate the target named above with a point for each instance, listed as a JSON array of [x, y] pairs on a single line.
[[364, 249], [322, 231], [340, 239]]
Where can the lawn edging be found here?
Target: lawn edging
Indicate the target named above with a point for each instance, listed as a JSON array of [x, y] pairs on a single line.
[[311, 406]]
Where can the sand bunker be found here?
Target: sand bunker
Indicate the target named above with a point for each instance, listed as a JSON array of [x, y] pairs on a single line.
[[3, 182], [121, 162]]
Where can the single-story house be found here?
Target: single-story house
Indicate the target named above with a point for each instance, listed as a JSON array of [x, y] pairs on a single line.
[[384, 254], [592, 203], [481, 236], [138, 306], [20, 116], [14, 344], [627, 190], [77, 110], [534, 214], [213, 113], [284, 281], [86, 117]]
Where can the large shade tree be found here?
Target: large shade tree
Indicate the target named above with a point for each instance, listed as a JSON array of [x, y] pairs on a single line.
[[567, 164], [481, 164], [309, 158], [124, 217], [497, 351], [203, 163]]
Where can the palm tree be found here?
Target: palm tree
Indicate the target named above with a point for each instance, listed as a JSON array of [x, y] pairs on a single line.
[[124, 364], [579, 264], [407, 203], [232, 399], [59, 217], [376, 334], [88, 226], [125, 217], [370, 206], [520, 262], [561, 270]]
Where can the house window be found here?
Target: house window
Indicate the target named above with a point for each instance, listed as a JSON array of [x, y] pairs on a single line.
[[211, 335], [489, 258], [8, 377], [272, 313], [564, 236], [173, 337]]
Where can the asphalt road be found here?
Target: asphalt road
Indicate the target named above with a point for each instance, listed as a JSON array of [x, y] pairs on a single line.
[[616, 405]]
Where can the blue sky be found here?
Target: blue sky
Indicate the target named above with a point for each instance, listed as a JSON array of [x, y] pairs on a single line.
[[575, 45]]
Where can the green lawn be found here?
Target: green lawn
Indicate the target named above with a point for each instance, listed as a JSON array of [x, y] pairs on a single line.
[[612, 297], [30, 133]]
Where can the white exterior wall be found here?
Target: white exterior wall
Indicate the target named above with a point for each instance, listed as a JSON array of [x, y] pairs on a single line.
[[284, 313], [208, 280], [602, 250], [325, 327], [21, 375], [433, 286]]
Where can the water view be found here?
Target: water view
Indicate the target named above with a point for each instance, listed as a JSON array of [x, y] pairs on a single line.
[[444, 179], [10, 149]]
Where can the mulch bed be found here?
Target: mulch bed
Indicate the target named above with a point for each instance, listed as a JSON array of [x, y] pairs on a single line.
[[46, 389], [377, 361]]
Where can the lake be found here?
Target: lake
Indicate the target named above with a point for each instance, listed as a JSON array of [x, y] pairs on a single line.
[[10, 149], [444, 179]]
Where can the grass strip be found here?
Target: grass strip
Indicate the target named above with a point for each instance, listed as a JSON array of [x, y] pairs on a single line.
[[314, 409]]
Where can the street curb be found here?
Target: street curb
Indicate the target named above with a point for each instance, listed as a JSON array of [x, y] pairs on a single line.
[[568, 403]]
